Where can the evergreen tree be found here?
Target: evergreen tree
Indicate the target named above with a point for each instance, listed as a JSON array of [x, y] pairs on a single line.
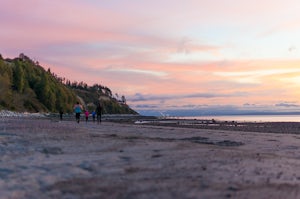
[[18, 77], [42, 89], [5, 85]]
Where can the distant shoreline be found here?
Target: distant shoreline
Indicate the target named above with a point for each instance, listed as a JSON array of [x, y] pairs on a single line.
[[274, 117]]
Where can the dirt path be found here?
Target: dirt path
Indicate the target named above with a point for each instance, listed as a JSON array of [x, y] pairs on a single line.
[[50, 159]]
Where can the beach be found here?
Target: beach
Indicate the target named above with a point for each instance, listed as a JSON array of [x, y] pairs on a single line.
[[48, 158]]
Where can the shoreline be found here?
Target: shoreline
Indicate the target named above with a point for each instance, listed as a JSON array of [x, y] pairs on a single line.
[[263, 127], [213, 124], [284, 127]]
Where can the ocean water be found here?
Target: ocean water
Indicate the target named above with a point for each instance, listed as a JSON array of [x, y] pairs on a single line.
[[249, 118]]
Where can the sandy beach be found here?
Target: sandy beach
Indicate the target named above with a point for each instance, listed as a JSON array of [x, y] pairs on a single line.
[[46, 158]]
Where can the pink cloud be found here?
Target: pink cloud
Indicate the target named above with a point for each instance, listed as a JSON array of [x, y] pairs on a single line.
[[127, 46]]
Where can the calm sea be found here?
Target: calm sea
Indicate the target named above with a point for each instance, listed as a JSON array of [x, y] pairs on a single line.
[[249, 118]]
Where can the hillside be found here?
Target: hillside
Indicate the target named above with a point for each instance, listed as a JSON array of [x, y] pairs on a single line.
[[89, 96], [27, 86]]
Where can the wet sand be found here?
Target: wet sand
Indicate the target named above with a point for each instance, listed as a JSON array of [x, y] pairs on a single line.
[[42, 158]]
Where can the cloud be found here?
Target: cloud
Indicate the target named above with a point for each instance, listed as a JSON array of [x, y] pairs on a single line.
[[249, 105], [292, 48], [138, 97], [287, 105], [137, 71], [146, 106], [199, 52], [183, 46]]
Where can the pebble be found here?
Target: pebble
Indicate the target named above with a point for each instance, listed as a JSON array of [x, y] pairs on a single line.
[[6, 113]]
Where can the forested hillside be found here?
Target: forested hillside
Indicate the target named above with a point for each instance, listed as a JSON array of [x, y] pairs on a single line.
[[27, 86]]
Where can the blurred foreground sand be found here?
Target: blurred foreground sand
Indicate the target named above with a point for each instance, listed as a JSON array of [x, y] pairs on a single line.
[[41, 158]]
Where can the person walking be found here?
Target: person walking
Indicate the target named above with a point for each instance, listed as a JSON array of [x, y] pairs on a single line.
[[77, 109], [86, 115], [94, 115], [61, 112], [99, 113]]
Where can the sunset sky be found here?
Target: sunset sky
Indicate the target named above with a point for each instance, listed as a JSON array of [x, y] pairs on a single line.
[[166, 54]]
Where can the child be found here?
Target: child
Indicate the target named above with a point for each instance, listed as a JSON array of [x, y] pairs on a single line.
[[86, 115], [94, 115]]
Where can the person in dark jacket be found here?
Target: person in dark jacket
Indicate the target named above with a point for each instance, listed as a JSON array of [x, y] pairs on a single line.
[[99, 113]]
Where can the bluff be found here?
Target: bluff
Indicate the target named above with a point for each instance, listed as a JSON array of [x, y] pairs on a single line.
[[26, 86]]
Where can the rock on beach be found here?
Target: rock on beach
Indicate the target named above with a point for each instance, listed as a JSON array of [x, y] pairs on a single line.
[[47, 158], [6, 113]]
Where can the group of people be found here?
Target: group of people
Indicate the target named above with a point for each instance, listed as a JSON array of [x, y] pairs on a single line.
[[96, 113]]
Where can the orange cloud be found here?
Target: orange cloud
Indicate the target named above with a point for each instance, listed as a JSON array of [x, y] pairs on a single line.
[[197, 53]]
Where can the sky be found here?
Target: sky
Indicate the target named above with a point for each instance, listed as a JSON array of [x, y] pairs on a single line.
[[166, 54]]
